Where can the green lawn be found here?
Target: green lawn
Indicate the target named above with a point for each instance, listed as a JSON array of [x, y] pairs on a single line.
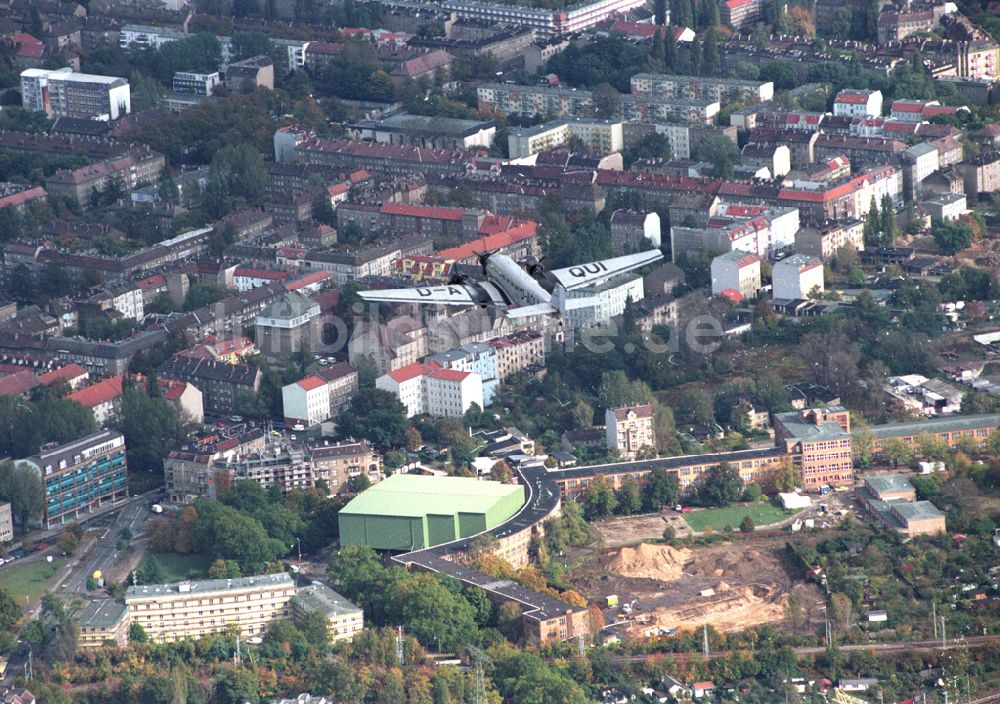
[[718, 518], [177, 567], [29, 579]]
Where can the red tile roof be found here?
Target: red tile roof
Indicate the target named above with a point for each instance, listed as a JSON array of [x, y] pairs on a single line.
[[488, 243], [101, 392], [852, 98], [410, 371], [18, 383], [23, 197], [422, 211], [448, 374], [67, 374], [310, 383], [732, 294]]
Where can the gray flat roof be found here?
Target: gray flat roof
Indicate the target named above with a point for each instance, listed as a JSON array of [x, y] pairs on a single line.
[[103, 613], [886, 483], [208, 586], [936, 425], [319, 597], [916, 510]]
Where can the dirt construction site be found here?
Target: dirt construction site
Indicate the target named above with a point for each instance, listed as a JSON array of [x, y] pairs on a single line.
[[730, 586]]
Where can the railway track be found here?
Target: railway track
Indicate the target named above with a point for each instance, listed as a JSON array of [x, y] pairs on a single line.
[[875, 648]]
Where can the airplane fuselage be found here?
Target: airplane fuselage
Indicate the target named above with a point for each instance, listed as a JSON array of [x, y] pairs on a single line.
[[517, 285]]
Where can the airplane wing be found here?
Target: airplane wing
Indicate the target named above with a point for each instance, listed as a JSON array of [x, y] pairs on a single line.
[[574, 277], [441, 295], [529, 311]]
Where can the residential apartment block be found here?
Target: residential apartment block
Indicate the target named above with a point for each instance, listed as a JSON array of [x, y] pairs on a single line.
[[796, 277], [825, 240], [629, 429], [819, 441], [858, 103], [319, 396], [736, 271], [344, 619], [219, 383], [599, 137], [101, 622], [741, 13], [65, 93], [172, 612], [336, 464], [80, 476], [546, 23], [6, 522], [721, 90], [518, 352], [430, 389]]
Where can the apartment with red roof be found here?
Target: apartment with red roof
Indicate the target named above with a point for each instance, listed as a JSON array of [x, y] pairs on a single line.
[[101, 398], [858, 103], [740, 13], [429, 389]]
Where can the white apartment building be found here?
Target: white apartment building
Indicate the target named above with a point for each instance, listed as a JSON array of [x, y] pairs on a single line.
[[6, 522], [147, 37], [858, 103], [600, 137], [594, 306], [723, 90], [476, 357], [921, 160], [196, 83], [763, 231], [736, 271], [797, 276], [432, 390], [65, 93], [629, 429], [825, 240], [546, 23], [191, 609], [307, 401]]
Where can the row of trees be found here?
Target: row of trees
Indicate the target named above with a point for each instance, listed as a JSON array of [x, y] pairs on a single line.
[[600, 500], [249, 529]]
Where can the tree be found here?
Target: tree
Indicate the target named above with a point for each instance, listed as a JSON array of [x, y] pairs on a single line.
[[628, 497], [431, 612], [151, 426], [23, 488], [722, 485], [235, 686], [787, 477], [746, 525], [662, 489], [240, 168], [223, 532], [151, 571], [951, 237], [599, 500], [660, 12], [670, 50], [873, 225], [377, 416], [841, 612], [711, 60], [897, 452], [136, 633], [720, 152], [889, 228]]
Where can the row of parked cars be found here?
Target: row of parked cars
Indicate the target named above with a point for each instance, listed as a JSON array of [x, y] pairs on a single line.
[[18, 554]]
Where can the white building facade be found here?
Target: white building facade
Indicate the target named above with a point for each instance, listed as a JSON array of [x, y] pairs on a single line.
[[797, 276]]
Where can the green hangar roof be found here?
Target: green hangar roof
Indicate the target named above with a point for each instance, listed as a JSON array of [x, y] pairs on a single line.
[[410, 512]]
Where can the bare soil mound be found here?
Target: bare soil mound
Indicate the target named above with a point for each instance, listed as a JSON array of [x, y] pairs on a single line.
[[660, 562]]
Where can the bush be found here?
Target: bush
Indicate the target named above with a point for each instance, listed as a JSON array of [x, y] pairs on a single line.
[[746, 525], [669, 535]]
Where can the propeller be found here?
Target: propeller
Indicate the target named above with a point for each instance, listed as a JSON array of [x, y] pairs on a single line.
[[484, 257], [534, 265]]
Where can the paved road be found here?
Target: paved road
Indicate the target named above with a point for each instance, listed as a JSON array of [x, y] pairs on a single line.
[[103, 552]]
